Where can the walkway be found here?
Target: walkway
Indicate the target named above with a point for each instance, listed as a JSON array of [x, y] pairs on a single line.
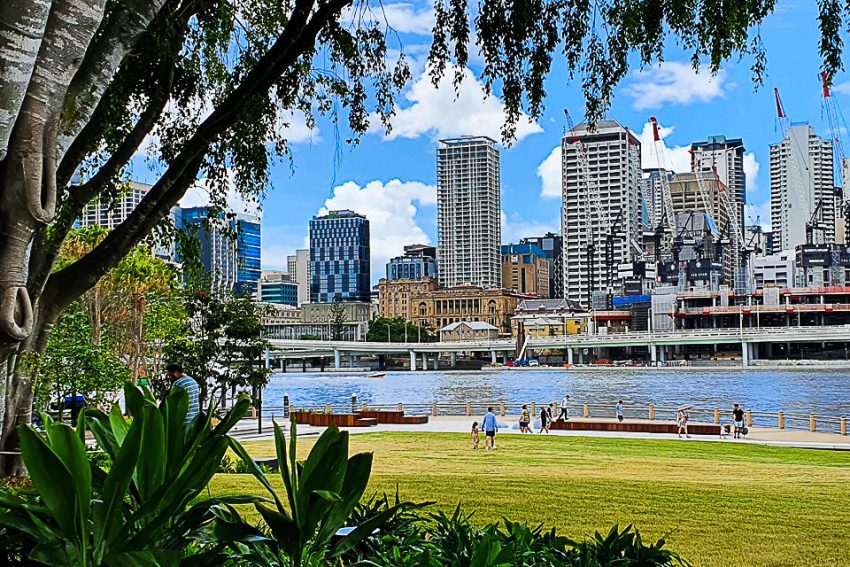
[[246, 430]]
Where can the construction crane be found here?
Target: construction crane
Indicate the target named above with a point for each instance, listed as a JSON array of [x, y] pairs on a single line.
[[813, 223], [668, 213], [837, 125]]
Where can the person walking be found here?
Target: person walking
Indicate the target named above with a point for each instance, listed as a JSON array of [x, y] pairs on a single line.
[[178, 379], [618, 409], [565, 401], [544, 420], [524, 420], [682, 422], [738, 420], [475, 436], [490, 427]]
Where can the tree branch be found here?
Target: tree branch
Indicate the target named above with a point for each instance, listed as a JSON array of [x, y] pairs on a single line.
[[118, 34], [297, 37]]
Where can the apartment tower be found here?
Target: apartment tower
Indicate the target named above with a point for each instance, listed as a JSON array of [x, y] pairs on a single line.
[[802, 188], [601, 178], [726, 157], [468, 212]]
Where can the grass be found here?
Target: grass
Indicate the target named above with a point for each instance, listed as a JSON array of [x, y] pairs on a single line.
[[716, 503]]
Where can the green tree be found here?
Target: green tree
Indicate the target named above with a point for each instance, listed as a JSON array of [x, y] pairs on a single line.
[[84, 82], [383, 329], [221, 344], [337, 319], [74, 363]]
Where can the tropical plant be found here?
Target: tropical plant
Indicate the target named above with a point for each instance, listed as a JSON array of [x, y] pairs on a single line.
[[143, 510], [322, 492]]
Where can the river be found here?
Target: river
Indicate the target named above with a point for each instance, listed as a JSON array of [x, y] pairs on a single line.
[[806, 390]]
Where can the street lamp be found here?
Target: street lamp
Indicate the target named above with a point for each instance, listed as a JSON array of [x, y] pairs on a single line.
[[388, 332]]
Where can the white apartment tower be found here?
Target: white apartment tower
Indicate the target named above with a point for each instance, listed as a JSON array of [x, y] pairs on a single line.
[[726, 157], [469, 231], [801, 181], [601, 179], [109, 214], [652, 197], [298, 268]]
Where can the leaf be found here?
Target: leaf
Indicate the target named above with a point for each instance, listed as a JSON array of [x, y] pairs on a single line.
[[150, 472], [134, 399], [255, 470], [119, 425], [68, 446], [357, 474], [51, 478], [175, 408]]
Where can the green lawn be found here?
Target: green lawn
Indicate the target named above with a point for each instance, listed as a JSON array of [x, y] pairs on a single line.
[[721, 504]]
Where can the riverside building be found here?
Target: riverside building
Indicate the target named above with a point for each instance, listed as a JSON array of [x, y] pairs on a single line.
[[339, 257], [468, 212], [601, 196]]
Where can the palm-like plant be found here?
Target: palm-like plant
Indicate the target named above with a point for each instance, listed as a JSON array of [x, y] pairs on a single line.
[[142, 511], [322, 493]]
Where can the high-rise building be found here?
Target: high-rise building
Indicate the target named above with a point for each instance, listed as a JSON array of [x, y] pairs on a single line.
[[802, 188], [339, 257], [552, 246], [601, 197], [276, 287], [248, 253], [419, 261], [652, 197], [525, 269], [111, 213], [726, 157], [298, 267], [229, 248], [468, 212]]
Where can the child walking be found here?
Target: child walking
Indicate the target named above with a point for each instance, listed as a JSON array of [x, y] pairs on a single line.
[[475, 437]]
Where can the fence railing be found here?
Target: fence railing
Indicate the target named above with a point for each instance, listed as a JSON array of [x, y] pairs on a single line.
[[776, 420]]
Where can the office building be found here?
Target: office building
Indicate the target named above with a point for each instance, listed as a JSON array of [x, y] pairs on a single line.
[[229, 248], [552, 246], [468, 212], [298, 268], [774, 270], [525, 269], [394, 296], [276, 287], [339, 257], [601, 197], [248, 253], [419, 261], [652, 196], [802, 189], [109, 213], [725, 157]]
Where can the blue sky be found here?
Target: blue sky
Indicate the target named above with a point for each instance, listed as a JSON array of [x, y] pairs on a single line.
[[391, 179]]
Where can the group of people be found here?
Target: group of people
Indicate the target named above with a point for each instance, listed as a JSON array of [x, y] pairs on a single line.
[[490, 424]]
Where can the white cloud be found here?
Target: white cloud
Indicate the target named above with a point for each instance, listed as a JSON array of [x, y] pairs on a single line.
[[292, 125], [841, 88], [198, 195], [549, 172], [408, 18], [751, 171], [440, 112], [676, 158], [514, 228], [391, 209], [674, 82]]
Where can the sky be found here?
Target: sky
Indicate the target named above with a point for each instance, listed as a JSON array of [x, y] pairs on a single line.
[[391, 179]]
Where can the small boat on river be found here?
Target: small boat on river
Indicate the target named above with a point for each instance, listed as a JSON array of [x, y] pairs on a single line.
[[376, 375]]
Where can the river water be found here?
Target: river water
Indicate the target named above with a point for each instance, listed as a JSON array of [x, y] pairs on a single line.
[[806, 390]]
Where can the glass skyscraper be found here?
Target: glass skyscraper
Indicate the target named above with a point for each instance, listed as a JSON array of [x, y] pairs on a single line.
[[231, 258], [339, 257]]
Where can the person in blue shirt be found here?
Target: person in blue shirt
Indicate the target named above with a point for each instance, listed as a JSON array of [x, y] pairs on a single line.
[[180, 380], [490, 426]]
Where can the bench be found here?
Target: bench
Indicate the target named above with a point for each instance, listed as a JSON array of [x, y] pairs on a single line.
[[338, 419], [394, 417], [634, 427]]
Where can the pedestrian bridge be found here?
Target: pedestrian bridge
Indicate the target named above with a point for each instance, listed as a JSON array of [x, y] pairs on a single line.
[[656, 341]]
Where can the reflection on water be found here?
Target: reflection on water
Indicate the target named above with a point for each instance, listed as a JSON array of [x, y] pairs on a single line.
[[822, 391]]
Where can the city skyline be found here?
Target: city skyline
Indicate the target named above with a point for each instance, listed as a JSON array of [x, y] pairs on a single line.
[[392, 179]]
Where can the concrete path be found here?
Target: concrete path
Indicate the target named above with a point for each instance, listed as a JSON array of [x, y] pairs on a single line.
[[246, 430]]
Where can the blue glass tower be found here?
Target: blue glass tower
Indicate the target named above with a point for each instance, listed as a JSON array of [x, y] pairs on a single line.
[[419, 261], [339, 257]]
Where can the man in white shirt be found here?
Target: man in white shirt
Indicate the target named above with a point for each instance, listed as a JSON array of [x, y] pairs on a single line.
[[564, 403]]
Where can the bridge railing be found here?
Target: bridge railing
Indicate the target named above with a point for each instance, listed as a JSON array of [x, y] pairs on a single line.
[[511, 410]]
